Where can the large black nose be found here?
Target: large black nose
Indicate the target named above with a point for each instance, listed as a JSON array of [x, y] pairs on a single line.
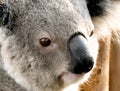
[[82, 61]]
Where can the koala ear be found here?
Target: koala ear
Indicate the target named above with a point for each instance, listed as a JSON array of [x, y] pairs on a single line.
[[6, 16], [96, 7]]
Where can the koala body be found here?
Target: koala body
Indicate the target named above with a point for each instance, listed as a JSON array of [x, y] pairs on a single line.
[[47, 45]]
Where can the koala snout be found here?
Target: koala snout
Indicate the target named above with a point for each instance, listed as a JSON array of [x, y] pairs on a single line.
[[82, 61]]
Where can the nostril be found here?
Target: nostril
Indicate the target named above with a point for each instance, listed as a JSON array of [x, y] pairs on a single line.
[[83, 66], [88, 65], [77, 69]]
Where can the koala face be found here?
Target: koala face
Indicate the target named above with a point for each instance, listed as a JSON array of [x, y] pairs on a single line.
[[45, 44]]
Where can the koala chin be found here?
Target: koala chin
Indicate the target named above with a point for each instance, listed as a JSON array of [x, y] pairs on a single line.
[[49, 45]]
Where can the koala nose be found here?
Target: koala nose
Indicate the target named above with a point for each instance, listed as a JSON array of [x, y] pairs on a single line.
[[82, 61]]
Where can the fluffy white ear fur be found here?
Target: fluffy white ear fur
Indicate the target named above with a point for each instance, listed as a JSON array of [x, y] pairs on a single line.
[[108, 24]]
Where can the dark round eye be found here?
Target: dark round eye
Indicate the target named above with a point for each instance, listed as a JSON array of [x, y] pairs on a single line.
[[45, 42]]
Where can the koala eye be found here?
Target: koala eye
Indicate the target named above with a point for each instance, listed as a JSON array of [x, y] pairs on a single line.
[[45, 42]]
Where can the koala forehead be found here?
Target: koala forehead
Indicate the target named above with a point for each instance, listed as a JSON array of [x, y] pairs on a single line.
[[60, 16]]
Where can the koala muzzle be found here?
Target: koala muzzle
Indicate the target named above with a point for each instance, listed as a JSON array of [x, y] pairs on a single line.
[[82, 61]]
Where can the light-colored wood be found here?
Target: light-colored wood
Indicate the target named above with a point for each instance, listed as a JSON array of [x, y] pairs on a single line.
[[115, 66]]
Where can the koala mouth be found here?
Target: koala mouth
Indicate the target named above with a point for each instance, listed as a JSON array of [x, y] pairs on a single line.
[[69, 78]]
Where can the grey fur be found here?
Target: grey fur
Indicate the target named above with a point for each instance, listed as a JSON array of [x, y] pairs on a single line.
[[22, 57]]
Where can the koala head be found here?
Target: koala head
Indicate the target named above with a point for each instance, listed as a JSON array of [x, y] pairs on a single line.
[[46, 44]]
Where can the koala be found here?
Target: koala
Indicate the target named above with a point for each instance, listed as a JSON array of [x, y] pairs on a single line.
[[49, 45]]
